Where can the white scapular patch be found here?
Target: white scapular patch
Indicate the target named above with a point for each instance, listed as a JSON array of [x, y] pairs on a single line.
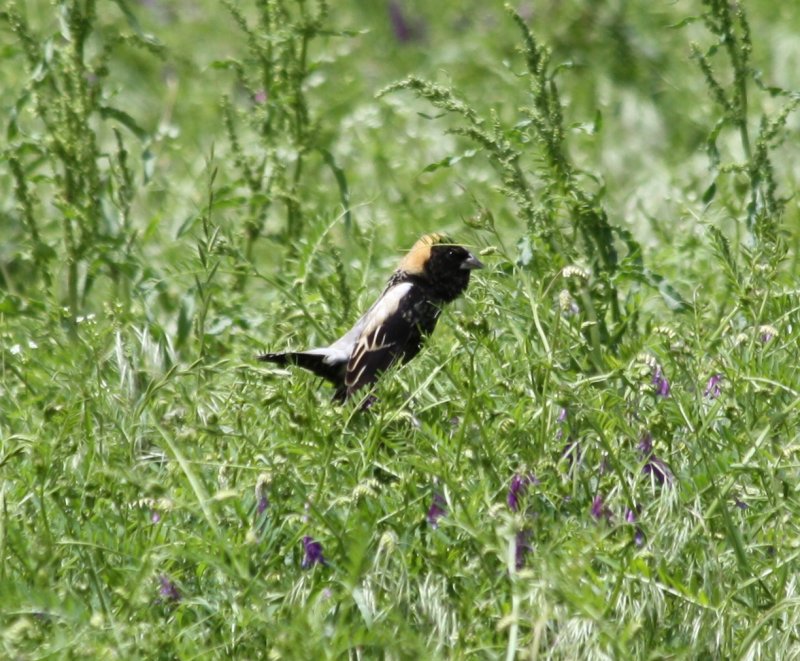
[[384, 308]]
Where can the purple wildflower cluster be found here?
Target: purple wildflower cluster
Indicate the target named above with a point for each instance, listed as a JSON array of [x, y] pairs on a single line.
[[653, 465], [312, 553], [312, 549], [516, 493], [766, 333], [713, 387], [261, 493], [262, 519], [404, 28], [522, 546], [660, 382], [638, 535], [437, 509], [599, 509], [168, 591], [518, 488]]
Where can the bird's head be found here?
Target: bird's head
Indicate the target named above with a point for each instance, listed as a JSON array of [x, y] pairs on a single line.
[[444, 265]]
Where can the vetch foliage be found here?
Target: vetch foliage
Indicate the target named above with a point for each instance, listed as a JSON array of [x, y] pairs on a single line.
[[594, 457]]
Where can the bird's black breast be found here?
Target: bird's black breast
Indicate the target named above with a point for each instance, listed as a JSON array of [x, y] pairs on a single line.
[[420, 314]]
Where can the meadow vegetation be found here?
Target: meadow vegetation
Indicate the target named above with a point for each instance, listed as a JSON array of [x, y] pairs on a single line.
[[595, 456]]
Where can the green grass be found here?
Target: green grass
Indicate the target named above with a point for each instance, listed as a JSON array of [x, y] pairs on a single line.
[[184, 185]]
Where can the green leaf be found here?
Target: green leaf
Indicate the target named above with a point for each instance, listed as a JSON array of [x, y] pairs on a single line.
[[426, 116], [449, 161], [10, 304], [107, 112], [723, 250], [710, 192], [341, 182]]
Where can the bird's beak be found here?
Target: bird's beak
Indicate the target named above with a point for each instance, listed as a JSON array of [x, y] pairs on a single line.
[[471, 263]]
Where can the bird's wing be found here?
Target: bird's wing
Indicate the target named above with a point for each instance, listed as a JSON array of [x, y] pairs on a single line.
[[328, 362], [388, 330], [342, 349]]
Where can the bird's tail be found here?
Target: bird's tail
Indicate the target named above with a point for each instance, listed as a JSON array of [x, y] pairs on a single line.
[[313, 362], [277, 358]]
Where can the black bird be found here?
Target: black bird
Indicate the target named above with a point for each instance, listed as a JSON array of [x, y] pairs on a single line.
[[434, 272]]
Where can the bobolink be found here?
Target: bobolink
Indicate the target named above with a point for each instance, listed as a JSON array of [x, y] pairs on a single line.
[[434, 272]]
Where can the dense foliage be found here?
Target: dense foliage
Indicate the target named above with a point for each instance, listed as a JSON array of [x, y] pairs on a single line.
[[596, 455]]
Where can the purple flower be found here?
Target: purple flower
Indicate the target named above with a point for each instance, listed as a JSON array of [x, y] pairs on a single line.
[[740, 504], [155, 516], [260, 96], [313, 553], [713, 388], [262, 496], [404, 29], [599, 509], [660, 382], [767, 332], [654, 465], [169, 591], [518, 488], [658, 468], [561, 419], [597, 506], [638, 535], [437, 509], [522, 547]]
